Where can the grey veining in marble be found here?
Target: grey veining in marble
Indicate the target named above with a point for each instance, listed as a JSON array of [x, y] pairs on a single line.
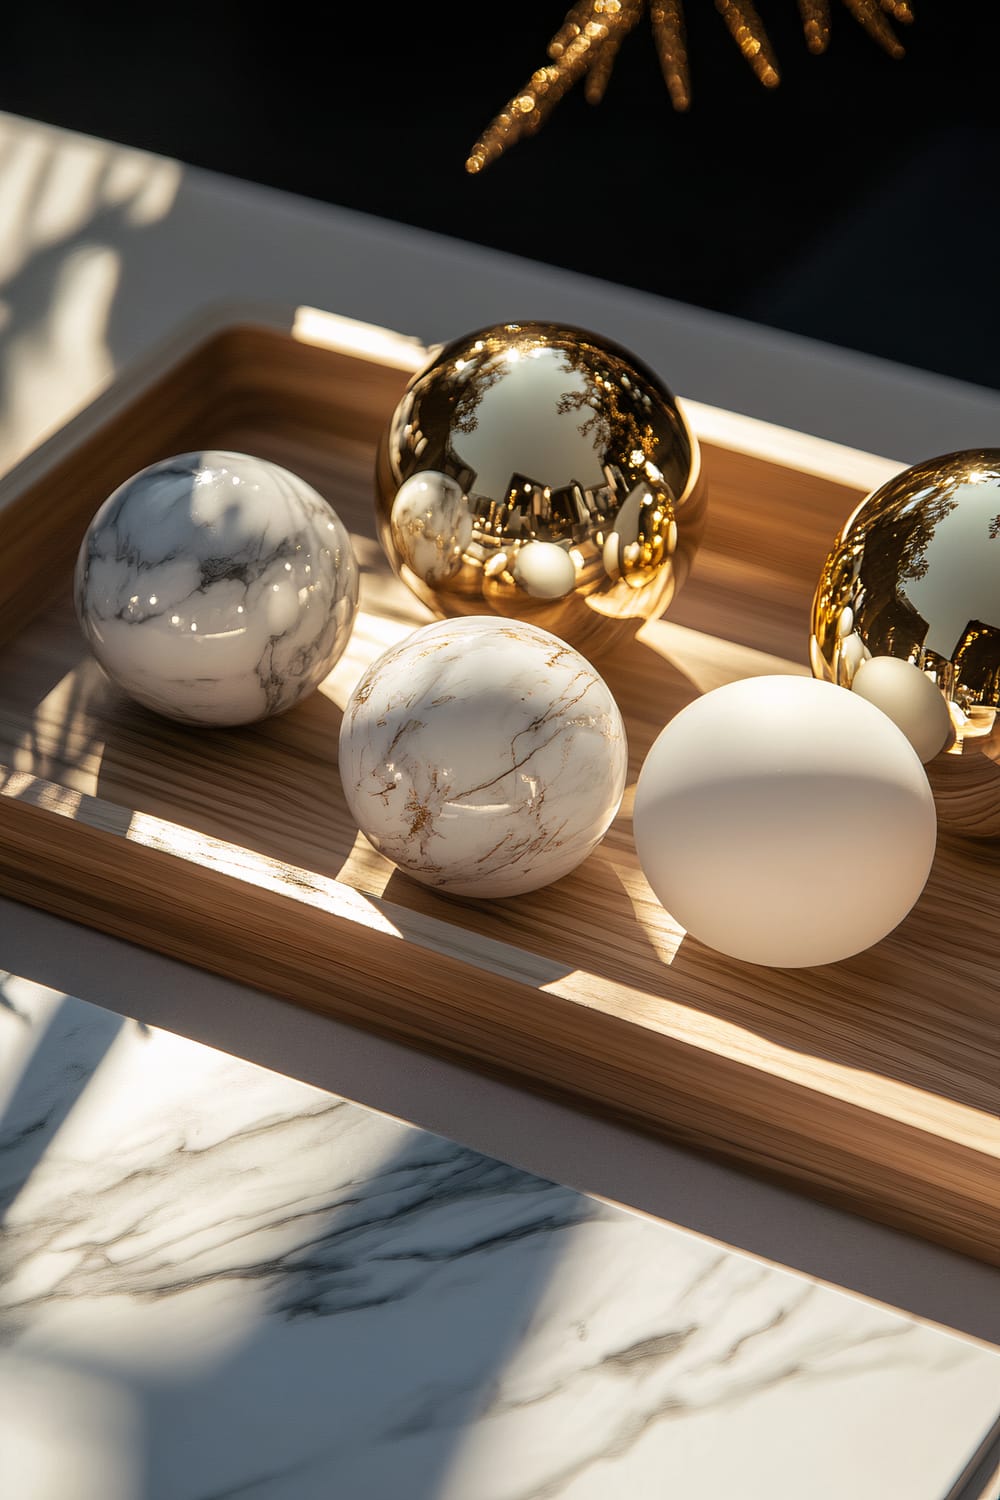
[[218, 1282], [216, 588]]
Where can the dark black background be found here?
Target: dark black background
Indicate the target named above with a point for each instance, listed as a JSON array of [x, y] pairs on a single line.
[[858, 203]]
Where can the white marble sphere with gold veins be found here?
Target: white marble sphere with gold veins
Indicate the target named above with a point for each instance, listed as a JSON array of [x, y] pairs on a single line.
[[483, 756]]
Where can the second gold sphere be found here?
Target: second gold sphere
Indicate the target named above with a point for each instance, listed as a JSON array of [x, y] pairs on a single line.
[[907, 612]]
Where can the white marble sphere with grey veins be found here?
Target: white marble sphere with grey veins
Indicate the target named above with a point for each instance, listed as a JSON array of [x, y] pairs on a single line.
[[216, 588], [483, 756]]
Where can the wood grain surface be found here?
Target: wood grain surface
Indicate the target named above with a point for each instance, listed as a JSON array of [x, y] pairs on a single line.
[[874, 1083]]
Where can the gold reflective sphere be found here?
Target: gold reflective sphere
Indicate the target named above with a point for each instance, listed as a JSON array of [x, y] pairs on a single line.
[[542, 473], [915, 576]]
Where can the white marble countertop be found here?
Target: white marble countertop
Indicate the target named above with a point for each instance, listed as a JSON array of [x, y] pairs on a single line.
[[222, 1282], [103, 252]]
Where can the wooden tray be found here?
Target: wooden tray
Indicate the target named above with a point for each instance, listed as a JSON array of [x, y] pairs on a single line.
[[874, 1083]]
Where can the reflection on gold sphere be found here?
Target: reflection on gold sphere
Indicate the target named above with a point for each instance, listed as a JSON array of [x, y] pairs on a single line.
[[542, 473], [915, 575]]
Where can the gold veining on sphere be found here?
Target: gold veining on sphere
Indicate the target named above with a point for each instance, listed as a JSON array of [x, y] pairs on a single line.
[[915, 574], [562, 484]]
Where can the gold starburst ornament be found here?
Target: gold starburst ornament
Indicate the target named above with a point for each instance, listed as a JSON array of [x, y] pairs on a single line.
[[586, 45], [541, 473]]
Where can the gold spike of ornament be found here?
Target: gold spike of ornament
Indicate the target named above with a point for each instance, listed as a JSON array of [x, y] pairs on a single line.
[[604, 60], [572, 26], [869, 15], [899, 10], [816, 24], [747, 31], [667, 19]]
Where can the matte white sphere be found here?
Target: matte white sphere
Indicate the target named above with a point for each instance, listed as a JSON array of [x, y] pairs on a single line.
[[912, 701], [216, 588], [483, 756], [784, 821]]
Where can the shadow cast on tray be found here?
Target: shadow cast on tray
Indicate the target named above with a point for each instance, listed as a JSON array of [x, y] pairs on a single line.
[[586, 920], [812, 1011], [887, 1011], [272, 787], [589, 920]]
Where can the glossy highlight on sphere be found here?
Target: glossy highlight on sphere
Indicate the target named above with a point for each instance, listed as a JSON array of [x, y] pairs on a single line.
[[482, 756], [915, 576], [216, 588], [542, 473], [784, 822]]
